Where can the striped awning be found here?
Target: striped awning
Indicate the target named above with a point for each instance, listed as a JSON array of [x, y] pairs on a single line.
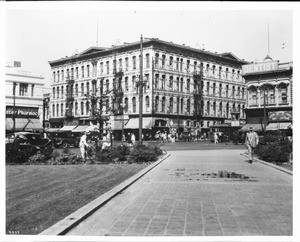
[[133, 123], [256, 127], [68, 128]]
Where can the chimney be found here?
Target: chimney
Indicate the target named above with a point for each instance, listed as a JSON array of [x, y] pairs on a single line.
[[17, 63]]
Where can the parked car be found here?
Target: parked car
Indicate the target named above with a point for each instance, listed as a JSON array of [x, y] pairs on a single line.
[[29, 138], [64, 139]]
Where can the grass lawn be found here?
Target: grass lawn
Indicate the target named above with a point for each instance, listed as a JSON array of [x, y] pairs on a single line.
[[38, 196]]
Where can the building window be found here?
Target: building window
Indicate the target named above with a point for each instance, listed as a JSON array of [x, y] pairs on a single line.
[[58, 75], [163, 62], [215, 109], [181, 84], [62, 92], [171, 83], [57, 110], [181, 64], [227, 110], [156, 60], [61, 109], [81, 108], [214, 70], [76, 72], [87, 88], [76, 108], [233, 91], [120, 65], [53, 110], [208, 108], [126, 83], [114, 66], [177, 64], [188, 106], [163, 82], [207, 88], [156, 103], [252, 96], [54, 74], [147, 60], [87, 108], [195, 67], [233, 74], [243, 93], [188, 85], [23, 89], [82, 89], [76, 90], [133, 104], [53, 92], [214, 89], [171, 63], [57, 92], [101, 68], [107, 85], [82, 71], [220, 90], [134, 62], [62, 75], [226, 74], [220, 110], [126, 105], [126, 64], [272, 96], [68, 74], [171, 105], [107, 67], [178, 103], [227, 90], [147, 103], [283, 92], [94, 85], [163, 104], [188, 66], [177, 84], [156, 81], [238, 92], [133, 83]]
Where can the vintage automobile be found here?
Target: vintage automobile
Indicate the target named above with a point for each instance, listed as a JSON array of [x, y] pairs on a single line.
[[64, 139]]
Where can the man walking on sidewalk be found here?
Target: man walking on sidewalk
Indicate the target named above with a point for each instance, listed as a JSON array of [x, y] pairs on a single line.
[[251, 142]]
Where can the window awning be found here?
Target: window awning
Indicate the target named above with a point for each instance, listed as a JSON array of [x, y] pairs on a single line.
[[52, 130], [285, 125], [133, 123], [80, 128], [23, 124], [256, 127], [68, 128], [273, 126]]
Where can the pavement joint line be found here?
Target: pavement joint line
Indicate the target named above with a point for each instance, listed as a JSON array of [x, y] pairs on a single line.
[[65, 225], [271, 165]]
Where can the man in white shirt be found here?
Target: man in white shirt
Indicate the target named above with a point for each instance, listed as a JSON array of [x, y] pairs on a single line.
[[83, 144], [251, 142]]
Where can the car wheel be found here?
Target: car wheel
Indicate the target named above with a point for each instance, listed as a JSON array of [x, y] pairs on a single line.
[[64, 144]]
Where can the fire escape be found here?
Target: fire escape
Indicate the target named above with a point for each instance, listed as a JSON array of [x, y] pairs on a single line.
[[198, 95], [117, 92], [69, 96]]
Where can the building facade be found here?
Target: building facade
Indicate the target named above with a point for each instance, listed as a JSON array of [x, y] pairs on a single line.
[[183, 87], [24, 100], [269, 95]]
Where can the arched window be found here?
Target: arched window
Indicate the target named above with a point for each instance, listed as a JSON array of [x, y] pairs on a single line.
[[220, 110], [233, 91], [126, 105], [214, 109], [202, 107], [156, 59], [227, 110], [57, 109], [156, 103], [82, 89], [107, 67], [53, 110], [58, 76], [57, 92], [133, 83], [220, 90], [171, 83], [181, 84], [147, 60], [81, 108], [163, 61], [61, 109], [76, 108], [106, 106], [133, 104], [87, 107], [171, 105], [156, 81], [53, 92], [208, 108], [147, 100], [163, 104], [188, 85], [134, 62], [87, 88], [188, 106], [62, 92]]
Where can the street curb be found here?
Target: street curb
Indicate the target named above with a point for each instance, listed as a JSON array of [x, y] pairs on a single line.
[[271, 165], [71, 221]]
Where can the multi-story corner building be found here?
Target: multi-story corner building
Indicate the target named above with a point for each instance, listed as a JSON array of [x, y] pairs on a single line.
[[269, 95], [24, 99], [183, 87]]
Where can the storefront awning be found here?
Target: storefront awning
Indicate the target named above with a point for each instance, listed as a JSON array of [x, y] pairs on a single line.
[[285, 125], [279, 126], [273, 126], [52, 130], [80, 128], [256, 127], [23, 124], [68, 128], [133, 123]]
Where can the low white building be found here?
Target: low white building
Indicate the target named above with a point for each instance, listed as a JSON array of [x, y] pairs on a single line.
[[24, 99]]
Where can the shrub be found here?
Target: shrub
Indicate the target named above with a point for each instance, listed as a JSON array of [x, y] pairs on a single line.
[[277, 151], [142, 153], [20, 154], [37, 158]]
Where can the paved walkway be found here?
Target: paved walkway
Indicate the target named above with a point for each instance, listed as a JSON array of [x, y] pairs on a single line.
[[183, 196]]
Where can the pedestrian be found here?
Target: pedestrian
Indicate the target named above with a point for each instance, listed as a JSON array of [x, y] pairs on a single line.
[[83, 145], [129, 139], [132, 138], [216, 138], [251, 142]]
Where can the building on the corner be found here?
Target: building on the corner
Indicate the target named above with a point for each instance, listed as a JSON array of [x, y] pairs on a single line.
[[184, 88], [269, 95], [24, 99]]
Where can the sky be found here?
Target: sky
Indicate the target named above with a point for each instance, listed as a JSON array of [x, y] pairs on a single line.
[[36, 34]]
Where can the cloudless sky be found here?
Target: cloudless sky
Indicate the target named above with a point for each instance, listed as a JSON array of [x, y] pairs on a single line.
[[36, 34]]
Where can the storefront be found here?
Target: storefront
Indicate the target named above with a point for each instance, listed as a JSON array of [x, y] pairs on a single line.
[[26, 119]]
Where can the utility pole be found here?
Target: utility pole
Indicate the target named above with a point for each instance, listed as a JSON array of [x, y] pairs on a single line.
[[14, 107], [265, 118], [141, 95]]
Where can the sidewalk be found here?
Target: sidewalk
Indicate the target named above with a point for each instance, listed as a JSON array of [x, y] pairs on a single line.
[[183, 196]]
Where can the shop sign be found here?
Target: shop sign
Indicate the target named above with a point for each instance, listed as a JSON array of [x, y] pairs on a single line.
[[260, 67], [27, 112], [280, 116]]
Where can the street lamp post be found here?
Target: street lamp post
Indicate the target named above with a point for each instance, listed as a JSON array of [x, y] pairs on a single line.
[[14, 107], [141, 94]]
